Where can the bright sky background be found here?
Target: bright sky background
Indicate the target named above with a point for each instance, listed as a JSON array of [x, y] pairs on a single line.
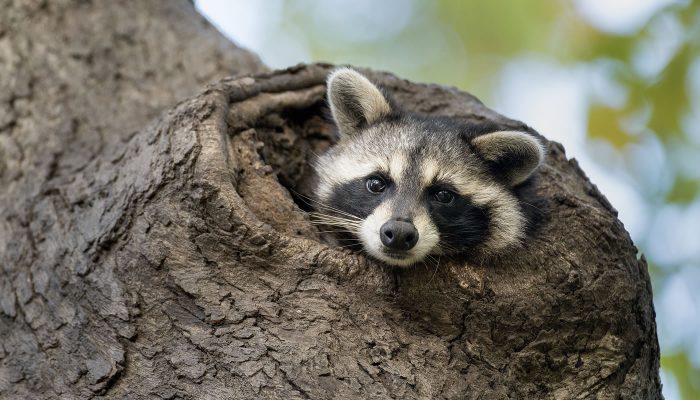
[[545, 94]]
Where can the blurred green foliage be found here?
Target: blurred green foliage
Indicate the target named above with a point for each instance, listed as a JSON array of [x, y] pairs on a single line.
[[685, 373]]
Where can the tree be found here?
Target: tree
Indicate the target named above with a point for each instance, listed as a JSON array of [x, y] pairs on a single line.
[[152, 249]]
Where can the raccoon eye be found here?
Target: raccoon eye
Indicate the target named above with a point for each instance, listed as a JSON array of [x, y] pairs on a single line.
[[375, 185], [444, 196]]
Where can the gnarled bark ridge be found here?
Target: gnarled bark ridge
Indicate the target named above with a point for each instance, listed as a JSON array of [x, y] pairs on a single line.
[[169, 259]]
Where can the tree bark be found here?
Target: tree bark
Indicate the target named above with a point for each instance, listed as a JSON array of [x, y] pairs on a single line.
[[160, 254]]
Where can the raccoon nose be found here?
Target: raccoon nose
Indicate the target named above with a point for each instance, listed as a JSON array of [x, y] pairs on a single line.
[[398, 235]]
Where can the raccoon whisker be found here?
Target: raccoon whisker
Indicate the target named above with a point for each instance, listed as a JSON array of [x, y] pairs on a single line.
[[335, 223], [331, 216], [352, 246], [313, 153], [334, 215], [428, 262], [326, 228], [336, 211], [436, 270], [531, 205], [333, 220], [347, 246], [339, 229], [324, 214], [323, 205], [446, 247], [304, 197], [461, 233], [302, 212]]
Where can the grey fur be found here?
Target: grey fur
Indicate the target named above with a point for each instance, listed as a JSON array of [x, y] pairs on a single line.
[[417, 154]]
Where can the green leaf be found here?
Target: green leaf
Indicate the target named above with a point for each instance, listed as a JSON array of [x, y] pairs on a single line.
[[687, 375], [669, 97], [684, 190], [604, 123]]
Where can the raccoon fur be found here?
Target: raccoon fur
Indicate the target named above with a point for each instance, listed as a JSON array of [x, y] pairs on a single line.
[[403, 186]]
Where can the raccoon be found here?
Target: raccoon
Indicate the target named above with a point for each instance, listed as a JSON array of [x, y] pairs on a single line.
[[403, 186]]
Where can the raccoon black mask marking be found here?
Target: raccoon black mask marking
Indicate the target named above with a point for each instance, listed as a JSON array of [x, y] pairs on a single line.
[[407, 186]]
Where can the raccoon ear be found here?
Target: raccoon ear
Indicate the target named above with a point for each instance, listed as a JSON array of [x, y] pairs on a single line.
[[513, 155], [355, 102]]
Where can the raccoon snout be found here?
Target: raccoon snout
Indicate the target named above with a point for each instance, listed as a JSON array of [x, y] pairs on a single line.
[[398, 235]]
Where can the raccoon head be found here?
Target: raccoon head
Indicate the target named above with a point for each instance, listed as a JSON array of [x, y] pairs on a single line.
[[406, 186]]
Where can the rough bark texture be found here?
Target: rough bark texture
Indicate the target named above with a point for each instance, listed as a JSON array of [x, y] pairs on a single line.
[[168, 259]]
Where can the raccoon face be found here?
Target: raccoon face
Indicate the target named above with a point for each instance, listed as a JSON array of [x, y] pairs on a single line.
[[406, 186]]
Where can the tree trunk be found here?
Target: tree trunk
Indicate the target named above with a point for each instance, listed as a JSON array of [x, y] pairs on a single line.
[[168, 259]]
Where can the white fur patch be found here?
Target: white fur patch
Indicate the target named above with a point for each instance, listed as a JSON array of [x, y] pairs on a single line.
[[369, 231], [429, 170], [428, 236], [397, 165]]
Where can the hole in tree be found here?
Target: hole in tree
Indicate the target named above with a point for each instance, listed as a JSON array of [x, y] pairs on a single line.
[[292, 139]]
